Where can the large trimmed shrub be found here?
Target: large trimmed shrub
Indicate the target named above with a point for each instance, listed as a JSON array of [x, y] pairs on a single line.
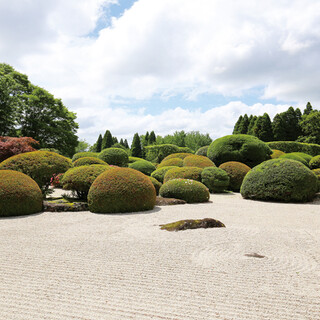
[[177, 162], [180, 155], [280, 180], [315, 162], [79, 155], [157, 185], [160, 173], [202, 151], [293, 146], [156, 153], [39, 165], [114, 156], [239, 147], [80, 179], [192, 173], [143, 166], [296, 157], [215, 179], [87, 161], [197, 161], [190, 191], [121, 190], [236, 172], [19, 194], [276, 153]]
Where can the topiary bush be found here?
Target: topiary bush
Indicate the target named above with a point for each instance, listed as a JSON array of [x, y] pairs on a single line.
[[215, 179], [202, 151], [317, 173], [121, 190], [134, 159], [276, 153], [160, 173], [157, 185], [79, 155], [156, 153], [177, 162], [87, 161], [197, 161], [282, 180], [294, 156], [192, 173], [239, 147], [143, 166], [19, 194], [80, 179], [180, 155], [304, 156], [114, 156], [190, 191], [315, 162], [236, 172], [39, 165], [292, 146]]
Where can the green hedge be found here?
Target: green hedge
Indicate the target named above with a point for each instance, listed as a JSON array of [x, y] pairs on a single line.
[[293, 146], [156, 153]]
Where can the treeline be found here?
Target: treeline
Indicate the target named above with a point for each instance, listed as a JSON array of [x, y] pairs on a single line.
[[291, 125]]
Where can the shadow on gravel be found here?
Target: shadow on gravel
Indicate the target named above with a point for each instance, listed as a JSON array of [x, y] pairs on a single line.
[[21, 217], [156, 209]]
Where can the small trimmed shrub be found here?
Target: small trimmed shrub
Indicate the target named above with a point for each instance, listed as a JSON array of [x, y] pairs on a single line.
[[180, 155], [87, 161], [160, 173], [239, 147], [197, 161], [19, 194], [294, 156], [215, 179], [156, 184], [276, 153], [156, 153], [38, 165], [134, 159], [293, 146], [143, 166], [202, 151], [177, 162], [282, 180], [192, 173], [114, 156], [236, 172], [190, 191], [121, 190], [80, 179], [317, 173], [315, 162], [79, 155]]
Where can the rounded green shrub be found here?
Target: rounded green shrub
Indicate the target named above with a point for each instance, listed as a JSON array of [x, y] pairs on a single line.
[[304, 156], [160, 173], [192, 173], [185, 150], [143, 166], [315, 162], [202, 151], [236, 172], [276, 153], [87, 161], [190, 191], [134, 159], [294, 156], [294, 146], [180, 155], [19, 194], [114, 156], [80, 179], [215, 179], [239, 147], [282, 180], [177, 162], [121, 190], [156, 184], [317, 173], [38, 165], [197, 161], [79, 155]]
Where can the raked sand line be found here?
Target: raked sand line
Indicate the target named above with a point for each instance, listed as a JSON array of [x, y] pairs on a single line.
[[80, 265]]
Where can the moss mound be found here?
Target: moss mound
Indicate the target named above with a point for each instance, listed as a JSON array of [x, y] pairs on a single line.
[[282, 180], [276, 153], [156, 184], [215, 179], [160, 173], [19, 194], [239, 147], [177, 162], [314, 163], [192, 224], [180, 155], [114, 156], [190, 191], [121, 190], [197, 161], [202, 151], [87, 161], [294, 156], [192, 173], [38, 165], [236, 172], [79, 155], [143, 166]]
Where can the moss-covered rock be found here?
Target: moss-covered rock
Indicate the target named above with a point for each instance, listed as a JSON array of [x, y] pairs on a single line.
[[114, 156], [236, 172], [160, 173], [314, 163], [189, 190], [197, 161], [121, 190], [202, 151], [19, 194], [177, 162], [276, 153], [79, 155], [239, 147], [282, 180], [87, 161], [192, 224], [180, 155], [215, 179], [192, 173], [143, 166], [296, 157], [157, 185]]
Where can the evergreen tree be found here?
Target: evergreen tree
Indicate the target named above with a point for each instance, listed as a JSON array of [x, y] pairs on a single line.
[[114, 140], [99, 143], [107, 141], [243, 126], [262, 128], [308, 109], [125, 143], [237, 125], [136, 150], [310, 125], [152, 138], [121, 142], [251, 125], [146, 139]]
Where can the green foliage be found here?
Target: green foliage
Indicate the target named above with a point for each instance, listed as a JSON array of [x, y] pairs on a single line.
[[317, 173], [236, 172], [280, 180], [177, 162], [197, 161], [82, 146], [251, 124], [156, 153], [192, 173], [310, 125], [243, 125], [107, 140], [143, 166], [276, 153], [304, 156], [239, 147], [296, 157], [134, 159], [185, 150], [39, 165], [87, 161], [136, 150], [190, 191], [180, 155], [262, 128], [80, 179], [308, 109], [79, 155], [120, 146], [98, 145], [293, 146], [202, 151], [157, 185], [152, 138], [19, 194], [114, 156], [237, 124], [314, 163], [160, 173], [215, 179], [121, 190]]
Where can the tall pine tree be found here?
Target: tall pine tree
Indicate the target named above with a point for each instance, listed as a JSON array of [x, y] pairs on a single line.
[[136, 150], [125, 143], [237, 125], [107, 140], [308, 109], [262, 128], [152, 138], [99, 143], [251, 125], [243, 126]]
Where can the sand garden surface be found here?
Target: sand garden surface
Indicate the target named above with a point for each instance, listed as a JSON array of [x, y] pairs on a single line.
[[79, 265]]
